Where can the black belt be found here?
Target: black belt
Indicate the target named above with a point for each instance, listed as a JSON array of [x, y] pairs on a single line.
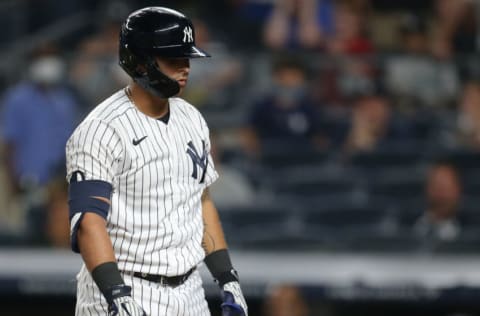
[[172, 281]]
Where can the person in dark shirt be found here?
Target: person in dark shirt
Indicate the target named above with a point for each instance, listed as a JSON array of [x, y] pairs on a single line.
[[286, 115], [374, 123], [443, 193]]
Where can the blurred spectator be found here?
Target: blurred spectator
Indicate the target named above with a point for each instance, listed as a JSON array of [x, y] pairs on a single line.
[[350, 31], [355, 75], [232, 187], [245, 21], [468, 120], [298, 24], [285, 300], [213, 80], [413, 75], [286, 115], [455, 28], [39, 116], [350, 69], [373, 124], [95, 72], [443, 193]]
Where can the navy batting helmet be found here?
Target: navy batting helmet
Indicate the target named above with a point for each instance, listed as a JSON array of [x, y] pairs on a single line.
[[151, 32]]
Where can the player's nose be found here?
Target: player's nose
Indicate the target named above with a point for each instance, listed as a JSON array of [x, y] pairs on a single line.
[[185, 71]]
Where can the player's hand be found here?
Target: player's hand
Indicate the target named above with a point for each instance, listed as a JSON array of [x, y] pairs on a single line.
[[122, 303], [233, 301]]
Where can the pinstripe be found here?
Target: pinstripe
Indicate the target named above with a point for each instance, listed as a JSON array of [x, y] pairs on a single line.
[[117, 220], [160, 298], [171, 189], [125, 206], [168, 305], [183, 149], [117, 111], [180, 167], [116, 96], [175, 211], [190, 207], [181, 130], [99, 148], [135, 252], [149, 172], [162, 247], [184, 129], [150, 302], [156, 214]]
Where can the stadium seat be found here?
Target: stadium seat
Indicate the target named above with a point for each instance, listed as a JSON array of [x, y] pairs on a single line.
[[399, 154], [262, 222], [277, 155], [463, 159], [311, 181], [404, 185]]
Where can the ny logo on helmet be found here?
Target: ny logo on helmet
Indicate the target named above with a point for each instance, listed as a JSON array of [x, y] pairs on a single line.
[[187, 34]]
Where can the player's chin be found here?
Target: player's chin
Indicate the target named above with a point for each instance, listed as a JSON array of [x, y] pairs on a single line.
[[182, 84]]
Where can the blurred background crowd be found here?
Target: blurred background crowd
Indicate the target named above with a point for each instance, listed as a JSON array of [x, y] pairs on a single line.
[[337, 125]]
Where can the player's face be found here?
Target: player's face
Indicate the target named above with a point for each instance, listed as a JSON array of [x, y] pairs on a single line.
[[176, 68]]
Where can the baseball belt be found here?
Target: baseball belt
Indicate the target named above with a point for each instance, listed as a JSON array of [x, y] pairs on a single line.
[[172, 281]]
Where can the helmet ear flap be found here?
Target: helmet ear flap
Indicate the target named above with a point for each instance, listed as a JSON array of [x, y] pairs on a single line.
[[160, 84], [145, 71]]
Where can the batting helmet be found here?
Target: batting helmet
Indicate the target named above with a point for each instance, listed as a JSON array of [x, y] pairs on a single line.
[[151, 32]]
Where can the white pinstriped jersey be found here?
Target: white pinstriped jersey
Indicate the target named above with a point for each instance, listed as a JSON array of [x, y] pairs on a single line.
[[158, 172]]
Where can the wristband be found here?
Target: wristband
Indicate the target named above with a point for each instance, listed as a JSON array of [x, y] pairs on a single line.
[[220, 266], [107, 276]]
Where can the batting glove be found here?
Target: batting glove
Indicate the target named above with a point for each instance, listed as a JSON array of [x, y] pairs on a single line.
[[233, 301], [121, 302]]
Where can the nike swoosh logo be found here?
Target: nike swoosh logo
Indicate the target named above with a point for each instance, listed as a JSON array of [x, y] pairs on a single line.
[[138, 141]]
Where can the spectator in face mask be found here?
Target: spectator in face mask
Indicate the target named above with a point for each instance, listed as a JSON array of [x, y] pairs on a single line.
[[38, 116], [285, 115]]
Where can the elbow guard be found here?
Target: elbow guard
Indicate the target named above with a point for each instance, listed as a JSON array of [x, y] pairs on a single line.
[[82, 198]]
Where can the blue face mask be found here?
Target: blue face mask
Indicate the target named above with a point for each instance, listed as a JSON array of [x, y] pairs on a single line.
[[289, 95]]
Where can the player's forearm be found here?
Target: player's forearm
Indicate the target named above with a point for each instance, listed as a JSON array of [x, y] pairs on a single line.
[[97, 253], [213, 236], [218, 260], [95, 244]]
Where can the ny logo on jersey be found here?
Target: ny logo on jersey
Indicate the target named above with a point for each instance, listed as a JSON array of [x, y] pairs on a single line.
[[197, 160], [187, 34]]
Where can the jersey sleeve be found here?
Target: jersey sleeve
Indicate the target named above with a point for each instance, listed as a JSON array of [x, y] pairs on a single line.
[[94, 150]]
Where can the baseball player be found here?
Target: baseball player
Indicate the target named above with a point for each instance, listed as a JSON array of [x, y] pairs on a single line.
[[139, 167]]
